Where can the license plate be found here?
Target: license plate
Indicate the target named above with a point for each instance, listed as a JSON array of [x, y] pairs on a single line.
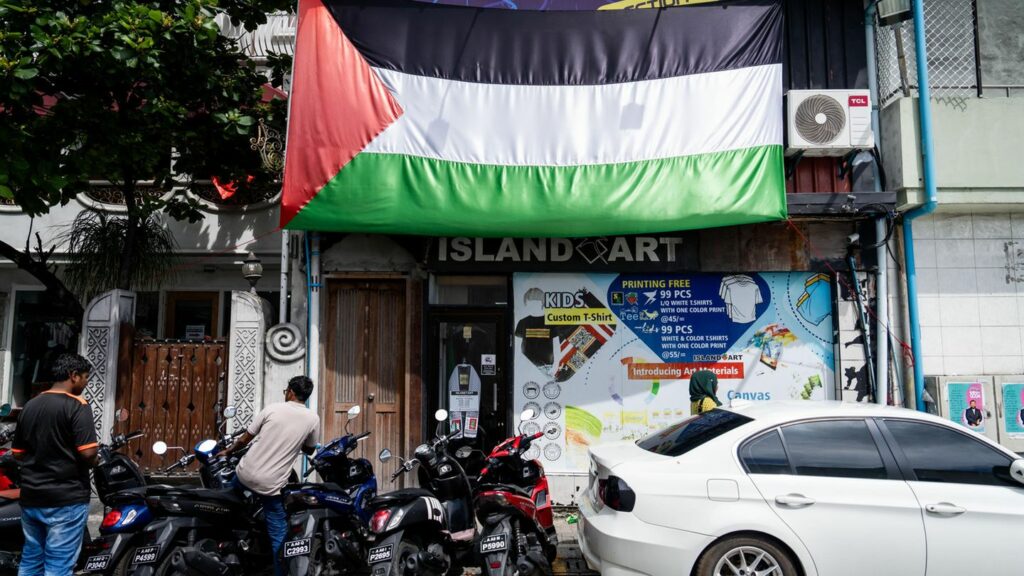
[[97, 563], [146, 555], [494, 543], [379, 554], [296, 548]]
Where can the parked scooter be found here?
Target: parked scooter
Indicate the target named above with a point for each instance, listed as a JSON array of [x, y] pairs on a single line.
[[11, 537], [425, 532], [329, 521], [120, 486], [514, 506], [213, 530]]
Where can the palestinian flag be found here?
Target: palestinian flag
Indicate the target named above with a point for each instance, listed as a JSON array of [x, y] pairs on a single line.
[[442, 120]]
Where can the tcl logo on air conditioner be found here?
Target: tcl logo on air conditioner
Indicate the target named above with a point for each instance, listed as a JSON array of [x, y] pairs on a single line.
[[858, 100]]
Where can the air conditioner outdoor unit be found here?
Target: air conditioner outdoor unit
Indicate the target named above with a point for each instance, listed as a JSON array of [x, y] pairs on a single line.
[[828, 122]]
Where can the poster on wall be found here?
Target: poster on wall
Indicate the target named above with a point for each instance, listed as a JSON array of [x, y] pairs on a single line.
[[1013, 409], [606, 357], [967, 404]]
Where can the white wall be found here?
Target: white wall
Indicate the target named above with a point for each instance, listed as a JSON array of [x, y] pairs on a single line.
[[971, 292]]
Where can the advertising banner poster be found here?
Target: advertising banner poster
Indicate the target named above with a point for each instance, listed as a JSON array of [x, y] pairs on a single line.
[[1013, 409], [607, 357], [967, 404]]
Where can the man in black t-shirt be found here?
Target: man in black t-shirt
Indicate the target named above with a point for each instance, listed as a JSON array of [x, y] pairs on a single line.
[[56, 445]]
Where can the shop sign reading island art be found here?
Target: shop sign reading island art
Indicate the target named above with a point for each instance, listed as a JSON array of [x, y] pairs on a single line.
[[442, 120]]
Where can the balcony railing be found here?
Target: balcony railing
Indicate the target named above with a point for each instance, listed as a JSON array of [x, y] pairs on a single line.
[[277, 36]]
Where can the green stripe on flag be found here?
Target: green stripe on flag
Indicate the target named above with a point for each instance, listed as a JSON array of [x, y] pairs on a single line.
[[399, 194]]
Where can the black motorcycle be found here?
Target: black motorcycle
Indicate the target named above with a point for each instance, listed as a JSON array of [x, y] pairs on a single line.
[[329, 520], [426, 531], [210, 531]]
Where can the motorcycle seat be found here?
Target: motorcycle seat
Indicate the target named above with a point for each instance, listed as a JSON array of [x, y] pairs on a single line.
[[506, 488], [400, 496], [224, 496]]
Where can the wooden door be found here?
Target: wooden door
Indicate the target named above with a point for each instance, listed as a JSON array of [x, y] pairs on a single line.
[[172, 391], [365, 364]]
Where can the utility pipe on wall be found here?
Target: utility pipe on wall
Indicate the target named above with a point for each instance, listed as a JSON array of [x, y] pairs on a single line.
[[881, 252], [931, 197], [282, 314], [313, 345]]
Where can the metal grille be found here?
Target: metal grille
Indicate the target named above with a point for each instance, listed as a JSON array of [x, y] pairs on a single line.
[[950, 26]]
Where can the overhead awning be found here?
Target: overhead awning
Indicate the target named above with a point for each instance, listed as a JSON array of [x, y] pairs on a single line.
[[444, 120]]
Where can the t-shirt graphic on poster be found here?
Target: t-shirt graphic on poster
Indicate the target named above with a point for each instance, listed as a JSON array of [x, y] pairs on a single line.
[[741, 295]]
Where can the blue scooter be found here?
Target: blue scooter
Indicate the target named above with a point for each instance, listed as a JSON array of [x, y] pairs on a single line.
[[329, 532]]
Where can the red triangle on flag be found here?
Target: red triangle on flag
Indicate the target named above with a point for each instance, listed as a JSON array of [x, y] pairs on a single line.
[[337, 106]]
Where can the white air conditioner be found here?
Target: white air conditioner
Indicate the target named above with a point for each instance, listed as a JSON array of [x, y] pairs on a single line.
[[828, 122]]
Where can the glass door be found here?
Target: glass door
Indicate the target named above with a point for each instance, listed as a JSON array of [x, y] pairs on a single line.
[[469, 351]]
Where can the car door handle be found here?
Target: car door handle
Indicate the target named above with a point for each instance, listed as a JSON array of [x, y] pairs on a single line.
[[794, 501], [945, 509]]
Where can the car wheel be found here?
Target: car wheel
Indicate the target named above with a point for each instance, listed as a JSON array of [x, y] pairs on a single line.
[[746, 556]]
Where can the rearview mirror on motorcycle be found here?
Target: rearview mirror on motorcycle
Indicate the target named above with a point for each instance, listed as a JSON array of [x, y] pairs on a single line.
[[464, 452], [230, 412], [441, 415], [5, 410], [384, 455], [352, 414], [121, 415], [160, 448], [528, 414]]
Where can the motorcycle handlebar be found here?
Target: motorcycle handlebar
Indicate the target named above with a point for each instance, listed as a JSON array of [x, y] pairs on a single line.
[[536, 436], [182, 462], [361, 436]]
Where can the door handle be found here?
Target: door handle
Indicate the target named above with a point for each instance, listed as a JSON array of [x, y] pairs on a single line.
[[794, 501], [370, 397], [945, 509]]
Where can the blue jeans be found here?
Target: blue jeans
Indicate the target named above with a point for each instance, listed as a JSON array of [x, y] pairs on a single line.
[[53, 539], [277, 523]]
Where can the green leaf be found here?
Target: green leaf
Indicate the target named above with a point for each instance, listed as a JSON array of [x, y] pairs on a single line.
[[26, 73], [246, 120], [6, 193]]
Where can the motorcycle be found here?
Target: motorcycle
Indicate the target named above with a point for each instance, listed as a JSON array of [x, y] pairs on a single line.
[[11, 537], [329, 521], [425, 532], [120, 487], [514, 507], [212, 530]]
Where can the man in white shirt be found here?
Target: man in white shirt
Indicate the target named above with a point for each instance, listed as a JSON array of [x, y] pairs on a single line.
[[278, 433]]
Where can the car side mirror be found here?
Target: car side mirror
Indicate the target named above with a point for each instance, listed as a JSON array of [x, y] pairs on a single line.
[[1017, 470], [5, 410], [384, 455]]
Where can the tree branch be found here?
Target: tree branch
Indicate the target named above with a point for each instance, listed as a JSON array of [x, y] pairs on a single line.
[[41, 272]]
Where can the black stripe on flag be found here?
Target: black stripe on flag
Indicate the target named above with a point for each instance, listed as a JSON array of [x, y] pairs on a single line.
[[496, 46]]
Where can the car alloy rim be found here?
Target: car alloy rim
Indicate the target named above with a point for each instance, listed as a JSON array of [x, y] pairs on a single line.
[[747, 561]]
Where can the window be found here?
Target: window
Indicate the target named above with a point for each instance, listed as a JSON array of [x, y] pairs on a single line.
[[834, 448], [684, 436], [939, 454], [469, 290], [766, 455]]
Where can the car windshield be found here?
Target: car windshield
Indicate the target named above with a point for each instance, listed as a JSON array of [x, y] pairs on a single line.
[[684, 436]]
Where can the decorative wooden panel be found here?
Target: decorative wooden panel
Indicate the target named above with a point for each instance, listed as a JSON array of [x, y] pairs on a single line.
[[171, 390]]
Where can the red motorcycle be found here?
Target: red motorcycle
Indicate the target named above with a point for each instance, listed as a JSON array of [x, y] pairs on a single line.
[[513, 504], [11, 536]]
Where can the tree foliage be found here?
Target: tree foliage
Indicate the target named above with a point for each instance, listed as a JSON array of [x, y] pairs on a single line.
[[130, 92]]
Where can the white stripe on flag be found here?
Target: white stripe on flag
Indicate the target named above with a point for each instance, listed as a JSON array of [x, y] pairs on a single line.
[[513, 125]]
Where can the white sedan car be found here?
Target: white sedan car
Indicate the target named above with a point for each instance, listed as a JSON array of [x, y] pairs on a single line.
[[804, 489]]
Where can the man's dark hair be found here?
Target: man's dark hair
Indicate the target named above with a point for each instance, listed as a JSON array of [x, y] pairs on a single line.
[[67, 364], [302, 387]]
